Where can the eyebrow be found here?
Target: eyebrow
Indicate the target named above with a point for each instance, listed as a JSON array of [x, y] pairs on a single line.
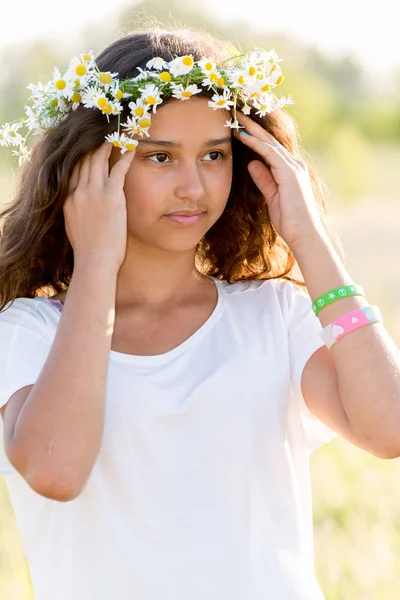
[[169, 144]]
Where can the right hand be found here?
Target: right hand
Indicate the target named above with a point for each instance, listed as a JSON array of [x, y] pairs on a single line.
[[95, 212]]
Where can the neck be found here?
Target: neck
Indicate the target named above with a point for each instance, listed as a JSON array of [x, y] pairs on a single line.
[[156, 278]]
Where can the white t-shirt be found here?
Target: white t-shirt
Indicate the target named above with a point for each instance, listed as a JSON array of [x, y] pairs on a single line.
[[201, 489]]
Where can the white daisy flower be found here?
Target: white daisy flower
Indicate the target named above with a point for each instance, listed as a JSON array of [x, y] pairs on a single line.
[[113, 138], [254, 89], [79, 70], [138, 126], [61, 85], [9, 135], [251, 69], [165, 76], [157, 63], [105, 79], [283, 102], [276, 75], [117, 92], [139, 108], [86, 58], [265, 104], [32, 122], [143, 75], [151, 95], [237, 79], [112, 108], [23, 155], [218, 101], [94, 97], [181, 65], [122, 141], [207, 66], [264, 58], [184, 93], [234, 124], [213, 78]]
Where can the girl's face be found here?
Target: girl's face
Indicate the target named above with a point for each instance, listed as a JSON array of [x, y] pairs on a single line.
[[185, 165]]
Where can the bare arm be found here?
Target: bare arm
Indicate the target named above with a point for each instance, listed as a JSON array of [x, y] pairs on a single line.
[[55, 437], [58, 432]]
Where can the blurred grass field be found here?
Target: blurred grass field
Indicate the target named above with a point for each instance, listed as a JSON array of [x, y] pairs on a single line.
[[355, 495]]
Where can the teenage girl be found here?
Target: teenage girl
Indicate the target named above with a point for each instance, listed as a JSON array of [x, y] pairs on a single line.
[[160, 403]]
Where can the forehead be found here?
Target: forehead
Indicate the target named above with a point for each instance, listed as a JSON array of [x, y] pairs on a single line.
[[191, 117]]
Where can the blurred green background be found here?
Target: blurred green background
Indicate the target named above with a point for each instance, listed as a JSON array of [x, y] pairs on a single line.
[[352, 132]]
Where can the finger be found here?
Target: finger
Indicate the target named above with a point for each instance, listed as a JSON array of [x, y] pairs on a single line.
[[121, 167], [98, 168], [263, 179], [85, 170], [74, 178], [259, 132], [272, 155]]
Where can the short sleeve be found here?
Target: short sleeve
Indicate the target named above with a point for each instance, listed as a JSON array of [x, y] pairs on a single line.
[[24, 345], [303, 340]]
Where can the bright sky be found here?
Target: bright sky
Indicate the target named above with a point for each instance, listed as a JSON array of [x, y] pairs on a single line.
[[370, 32]]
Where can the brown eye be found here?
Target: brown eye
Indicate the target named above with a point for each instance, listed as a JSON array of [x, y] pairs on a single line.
[[214, 154], [158, 154]]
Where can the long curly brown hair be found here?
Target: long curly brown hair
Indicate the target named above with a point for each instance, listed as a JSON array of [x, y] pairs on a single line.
[[36, 257]]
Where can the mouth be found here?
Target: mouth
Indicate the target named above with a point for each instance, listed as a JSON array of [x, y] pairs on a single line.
[[186, 217]]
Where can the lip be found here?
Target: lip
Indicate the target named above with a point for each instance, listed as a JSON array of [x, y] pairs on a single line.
[[186, 213], [186, 217]]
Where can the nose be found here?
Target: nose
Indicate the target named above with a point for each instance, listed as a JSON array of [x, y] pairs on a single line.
[[190, 183]]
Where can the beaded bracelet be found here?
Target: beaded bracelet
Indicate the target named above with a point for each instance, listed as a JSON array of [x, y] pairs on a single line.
[[337, 294], [349, 322]]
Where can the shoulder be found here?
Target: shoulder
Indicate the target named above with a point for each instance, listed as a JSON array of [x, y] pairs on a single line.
[[34, 313], [267, 293]]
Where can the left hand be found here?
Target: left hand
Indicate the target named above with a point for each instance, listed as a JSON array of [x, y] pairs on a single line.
[[284, 181]]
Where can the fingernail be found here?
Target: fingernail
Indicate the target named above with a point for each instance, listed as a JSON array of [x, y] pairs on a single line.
[[243, 133]]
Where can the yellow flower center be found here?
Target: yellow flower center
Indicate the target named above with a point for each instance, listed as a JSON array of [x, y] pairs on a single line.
[[107, 110], [130, 147], [214, 77], [102, 102], [60, 84], [105, 78], [260, 76], [119, 94], [139, 111], [187, 61], [187, 94], [252, 71], [279, 80], [144, 122], [241, 80], [151, 100], [116, 144], [221, 82], [208, 66], [165, 76], [86, 57], [221, 102], [76, 97], [265, 88], [54, 102], [81, 70]]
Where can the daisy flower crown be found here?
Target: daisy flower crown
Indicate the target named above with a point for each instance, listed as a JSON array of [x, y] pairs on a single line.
[[248, 77]]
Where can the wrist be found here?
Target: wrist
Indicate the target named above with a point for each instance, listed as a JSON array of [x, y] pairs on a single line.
[[310, 244], [96, 265]]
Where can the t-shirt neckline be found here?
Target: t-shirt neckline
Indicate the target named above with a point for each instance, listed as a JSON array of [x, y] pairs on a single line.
[[157, 359]]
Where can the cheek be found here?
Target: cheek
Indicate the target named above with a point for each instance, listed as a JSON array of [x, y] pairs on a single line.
[[142, 192]]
